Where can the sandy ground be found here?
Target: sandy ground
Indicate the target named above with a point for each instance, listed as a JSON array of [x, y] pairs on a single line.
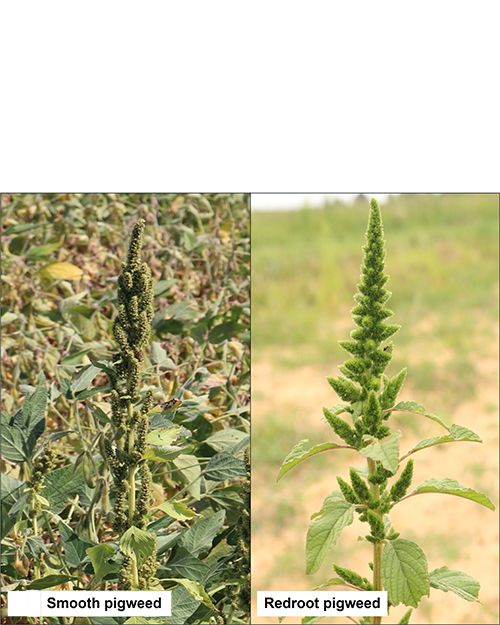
[[454, 532]]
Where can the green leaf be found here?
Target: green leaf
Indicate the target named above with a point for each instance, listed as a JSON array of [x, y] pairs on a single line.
[[41, 252], [164, 436], [189, 468], [159, 357], [199, 537], [197, 591], [99, 556], [74, 546], [386, 452], [461, 584], [50, 581], [62, 485], [14, 444], [224, 466], [223, 438], [334, 581], [8, 317], [412, 406], [449, 486], [225, 331], [177, 510], [183, 606], [404, 572], [85, 379], [184, 564], [298, 454], [137, 543], [324, 530], [163, 453], [406, 617], [457, 434]]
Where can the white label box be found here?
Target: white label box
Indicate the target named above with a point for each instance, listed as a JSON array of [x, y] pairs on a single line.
[[321, 603], [89, 603]]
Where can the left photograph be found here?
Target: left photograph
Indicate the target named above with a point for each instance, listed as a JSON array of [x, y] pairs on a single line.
[[125, 438]]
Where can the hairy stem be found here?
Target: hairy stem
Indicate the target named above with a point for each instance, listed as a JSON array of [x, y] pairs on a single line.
[[377, 549]]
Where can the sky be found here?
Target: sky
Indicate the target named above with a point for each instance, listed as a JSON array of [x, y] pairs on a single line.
[[295, 201]]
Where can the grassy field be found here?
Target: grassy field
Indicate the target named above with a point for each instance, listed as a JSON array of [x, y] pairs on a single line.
[[442, 258]]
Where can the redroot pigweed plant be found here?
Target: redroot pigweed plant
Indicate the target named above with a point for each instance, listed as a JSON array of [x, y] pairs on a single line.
[[369, 398]]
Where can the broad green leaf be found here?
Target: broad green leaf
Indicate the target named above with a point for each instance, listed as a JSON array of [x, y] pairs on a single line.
[[74, 546], [200, 536], [225, 331], [412, 406], [224, 466], [62, 485], [137, 543], [457, 433], [99, 556], [298, 454], [177, 510], [324, 530], [50, 581], [184, 564], [449, 486], [85, 379], [14, 444], [189, 468], [386, 452], [159, 357], [163, 453], [164, 436], [60, 271], [461, 584], [223, 438], [197, 591], [404, 572], [183, 606]]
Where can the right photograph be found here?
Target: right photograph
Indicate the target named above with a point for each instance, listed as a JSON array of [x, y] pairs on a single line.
[[375, 403]]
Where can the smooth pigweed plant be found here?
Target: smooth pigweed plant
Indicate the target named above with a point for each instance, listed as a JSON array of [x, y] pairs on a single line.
[[368, 399]]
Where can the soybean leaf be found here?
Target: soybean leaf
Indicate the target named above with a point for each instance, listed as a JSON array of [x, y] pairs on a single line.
[[163, 453], [298, 454], [324, 530], [60, 271], [404, 572], [461, 584], [449, 486], [386, 452], [199, 537], [14, 444]]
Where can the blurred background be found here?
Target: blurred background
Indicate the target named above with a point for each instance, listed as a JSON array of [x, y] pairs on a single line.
[[442, 258]]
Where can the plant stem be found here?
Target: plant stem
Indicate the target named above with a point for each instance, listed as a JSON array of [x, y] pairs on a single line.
[[377, 549], [132, 469]]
